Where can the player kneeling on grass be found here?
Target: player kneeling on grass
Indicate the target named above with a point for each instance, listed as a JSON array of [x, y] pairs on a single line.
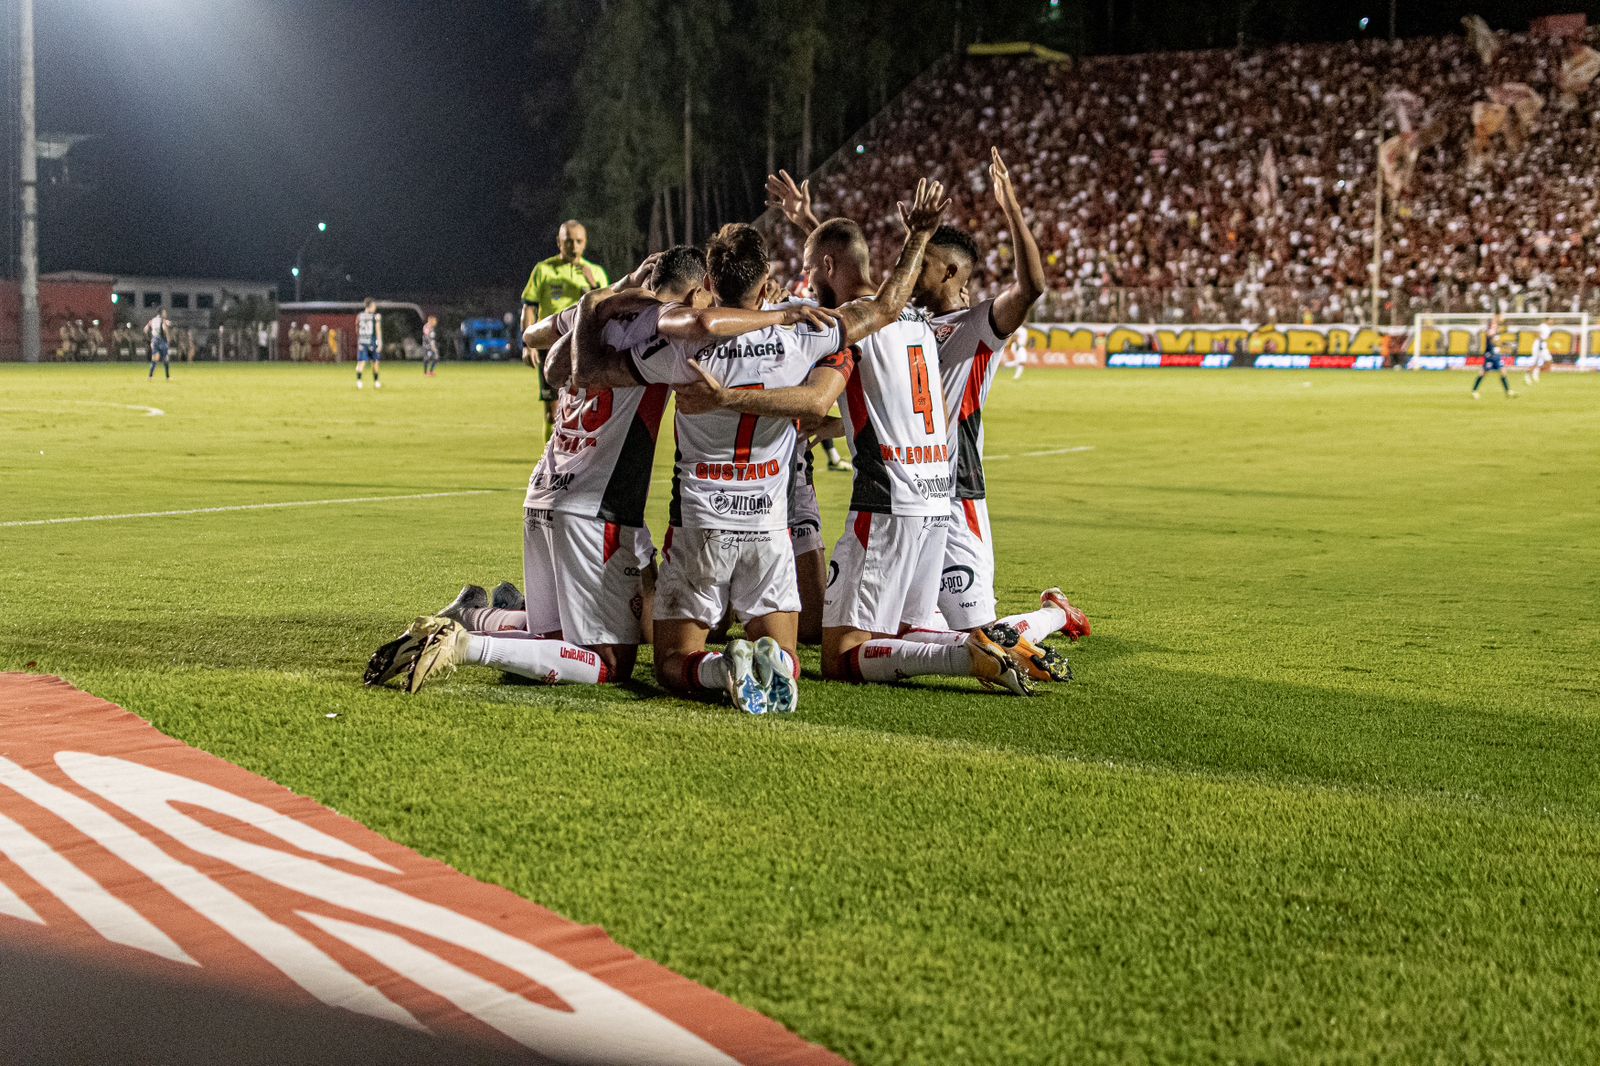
[[729, 544], [968, 339], [586, 550], [885, 572]]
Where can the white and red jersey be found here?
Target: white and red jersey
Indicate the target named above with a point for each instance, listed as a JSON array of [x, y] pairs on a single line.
[[894, 417], [598, 461], [732, 470], [969, 356]]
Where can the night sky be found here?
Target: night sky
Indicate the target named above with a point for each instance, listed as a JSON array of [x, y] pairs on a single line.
[[227, 128]]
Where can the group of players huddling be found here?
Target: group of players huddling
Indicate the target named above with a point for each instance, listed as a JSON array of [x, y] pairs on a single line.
[[910, 366]]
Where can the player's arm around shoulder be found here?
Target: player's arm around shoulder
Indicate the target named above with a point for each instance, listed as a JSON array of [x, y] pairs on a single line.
[[810, 400], [595, 364], [702, 325]]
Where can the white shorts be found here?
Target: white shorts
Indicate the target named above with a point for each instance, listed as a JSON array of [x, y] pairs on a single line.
[[805, 520], [1541, 357], [584, 576], [966, 588], [885, 572], [704, 571]]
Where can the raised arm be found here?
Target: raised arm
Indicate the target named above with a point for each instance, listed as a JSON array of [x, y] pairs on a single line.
[[865, 316], [1012, 305]]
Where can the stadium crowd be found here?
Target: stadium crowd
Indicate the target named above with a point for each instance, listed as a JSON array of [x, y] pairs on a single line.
[[1155, 197]]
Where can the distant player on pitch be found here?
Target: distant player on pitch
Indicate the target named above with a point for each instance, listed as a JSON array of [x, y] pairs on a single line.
[[159, 329], [1493, 361], [369, 341], [1541, 354]]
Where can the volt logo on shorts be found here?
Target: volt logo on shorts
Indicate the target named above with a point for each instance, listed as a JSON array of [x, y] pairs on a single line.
[[741, 504], [957, 579], [120, 841]]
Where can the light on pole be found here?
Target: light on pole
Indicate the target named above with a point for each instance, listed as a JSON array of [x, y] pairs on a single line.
[[29, 174], [299, 258]]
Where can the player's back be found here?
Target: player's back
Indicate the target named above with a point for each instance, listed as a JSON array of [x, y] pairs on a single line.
[[603, 445], [894, 414], [732, 471], [969, 357]]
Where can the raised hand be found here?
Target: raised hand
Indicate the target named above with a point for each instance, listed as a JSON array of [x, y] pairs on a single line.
[[927, 207], [793, 200], [1005, 193]]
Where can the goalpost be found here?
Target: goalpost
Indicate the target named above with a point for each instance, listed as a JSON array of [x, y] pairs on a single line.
[[1461, 335]]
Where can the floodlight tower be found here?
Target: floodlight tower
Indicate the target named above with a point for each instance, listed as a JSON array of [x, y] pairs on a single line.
[[29, 250]]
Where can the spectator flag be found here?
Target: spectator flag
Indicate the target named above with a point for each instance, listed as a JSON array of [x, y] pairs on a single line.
[[1488, 120], [1407, 108], [1577, 71], [1266, 194], [1524, 106], [1481, 38], [1397, 157]]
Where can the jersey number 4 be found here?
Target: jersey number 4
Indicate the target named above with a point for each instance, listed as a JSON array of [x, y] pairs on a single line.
[[921, 395]]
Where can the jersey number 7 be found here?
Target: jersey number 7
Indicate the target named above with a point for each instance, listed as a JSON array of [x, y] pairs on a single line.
[[746, 435]]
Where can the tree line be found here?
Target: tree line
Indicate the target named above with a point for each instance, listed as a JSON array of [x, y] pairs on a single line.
[[678, 109]]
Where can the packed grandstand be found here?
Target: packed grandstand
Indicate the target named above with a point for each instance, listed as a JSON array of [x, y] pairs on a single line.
[[1233, 185]]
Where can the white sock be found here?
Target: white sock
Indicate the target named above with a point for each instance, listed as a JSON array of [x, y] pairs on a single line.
[[1036, 625], [934, 636], [712, 671], [550, 661], [891, 660], [494, 620]]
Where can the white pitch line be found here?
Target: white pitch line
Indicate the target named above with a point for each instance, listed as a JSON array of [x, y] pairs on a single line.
[[150, 412], [241, 507], [1049, 451]]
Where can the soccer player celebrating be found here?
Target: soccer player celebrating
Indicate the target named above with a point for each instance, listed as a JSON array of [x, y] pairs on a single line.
[[886, 569], [1493, 361], [969, 339], [369, 341], [555, 285], [729, 544], [585, 544]]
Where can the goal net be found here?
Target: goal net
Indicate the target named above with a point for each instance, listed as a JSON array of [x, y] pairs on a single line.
[[1453, 341]]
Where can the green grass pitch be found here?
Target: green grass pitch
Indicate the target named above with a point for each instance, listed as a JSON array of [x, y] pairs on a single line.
[[1327, 788]]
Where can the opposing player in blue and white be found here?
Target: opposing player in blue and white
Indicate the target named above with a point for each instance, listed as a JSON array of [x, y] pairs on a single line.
[[369, 341]]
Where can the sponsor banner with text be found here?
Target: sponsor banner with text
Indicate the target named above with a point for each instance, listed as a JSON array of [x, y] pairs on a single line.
[[119, 840], [1326, 346]]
